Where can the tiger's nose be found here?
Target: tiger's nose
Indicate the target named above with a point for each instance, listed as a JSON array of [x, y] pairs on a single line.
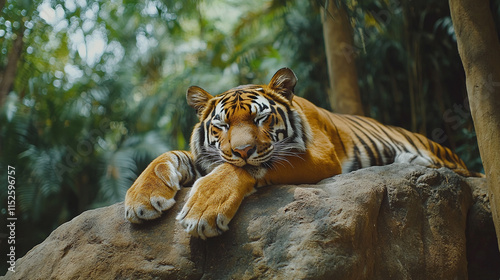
[[244, 152]]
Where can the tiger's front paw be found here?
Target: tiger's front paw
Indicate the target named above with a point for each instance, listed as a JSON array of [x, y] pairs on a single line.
[[203, 223], [152, 193], [214, 200], [208, 210]]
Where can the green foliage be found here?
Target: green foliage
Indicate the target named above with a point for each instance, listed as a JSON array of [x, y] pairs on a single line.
[[100, 86]]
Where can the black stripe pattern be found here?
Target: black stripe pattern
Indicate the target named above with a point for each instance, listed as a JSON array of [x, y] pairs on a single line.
[[375, 144]]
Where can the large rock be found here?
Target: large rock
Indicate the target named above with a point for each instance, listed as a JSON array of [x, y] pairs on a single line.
[[391, 222]]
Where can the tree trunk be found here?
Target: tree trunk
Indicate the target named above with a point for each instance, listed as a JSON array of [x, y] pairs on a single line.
[[2, 4], [9, 75], [337, 32], [479, 50]]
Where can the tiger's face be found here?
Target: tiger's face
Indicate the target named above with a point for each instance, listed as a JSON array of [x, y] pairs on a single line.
[[251, 126]]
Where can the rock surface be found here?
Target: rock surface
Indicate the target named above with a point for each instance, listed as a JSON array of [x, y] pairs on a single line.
[[390, 222]]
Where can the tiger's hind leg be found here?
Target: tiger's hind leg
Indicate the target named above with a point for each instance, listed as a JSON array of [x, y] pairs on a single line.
[[154, 190], [428, 162], [411, 158]]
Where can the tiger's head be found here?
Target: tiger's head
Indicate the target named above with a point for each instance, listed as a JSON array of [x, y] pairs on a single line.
[[250, 126]]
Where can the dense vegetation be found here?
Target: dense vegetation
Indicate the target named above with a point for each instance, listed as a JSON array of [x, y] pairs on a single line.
[[99, 88]]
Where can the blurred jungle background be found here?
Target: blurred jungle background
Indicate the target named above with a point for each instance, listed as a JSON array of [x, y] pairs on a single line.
[[92, 91]]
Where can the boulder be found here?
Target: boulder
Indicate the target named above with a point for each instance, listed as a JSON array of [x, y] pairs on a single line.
[[390, 222]]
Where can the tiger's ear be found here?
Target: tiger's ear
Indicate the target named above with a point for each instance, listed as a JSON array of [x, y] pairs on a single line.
[[198, 99], [284, 82]]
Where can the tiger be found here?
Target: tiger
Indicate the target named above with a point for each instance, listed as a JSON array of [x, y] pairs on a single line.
[[260, 135]]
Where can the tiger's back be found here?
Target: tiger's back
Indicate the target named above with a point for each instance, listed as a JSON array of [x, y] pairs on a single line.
[[363, 142]]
